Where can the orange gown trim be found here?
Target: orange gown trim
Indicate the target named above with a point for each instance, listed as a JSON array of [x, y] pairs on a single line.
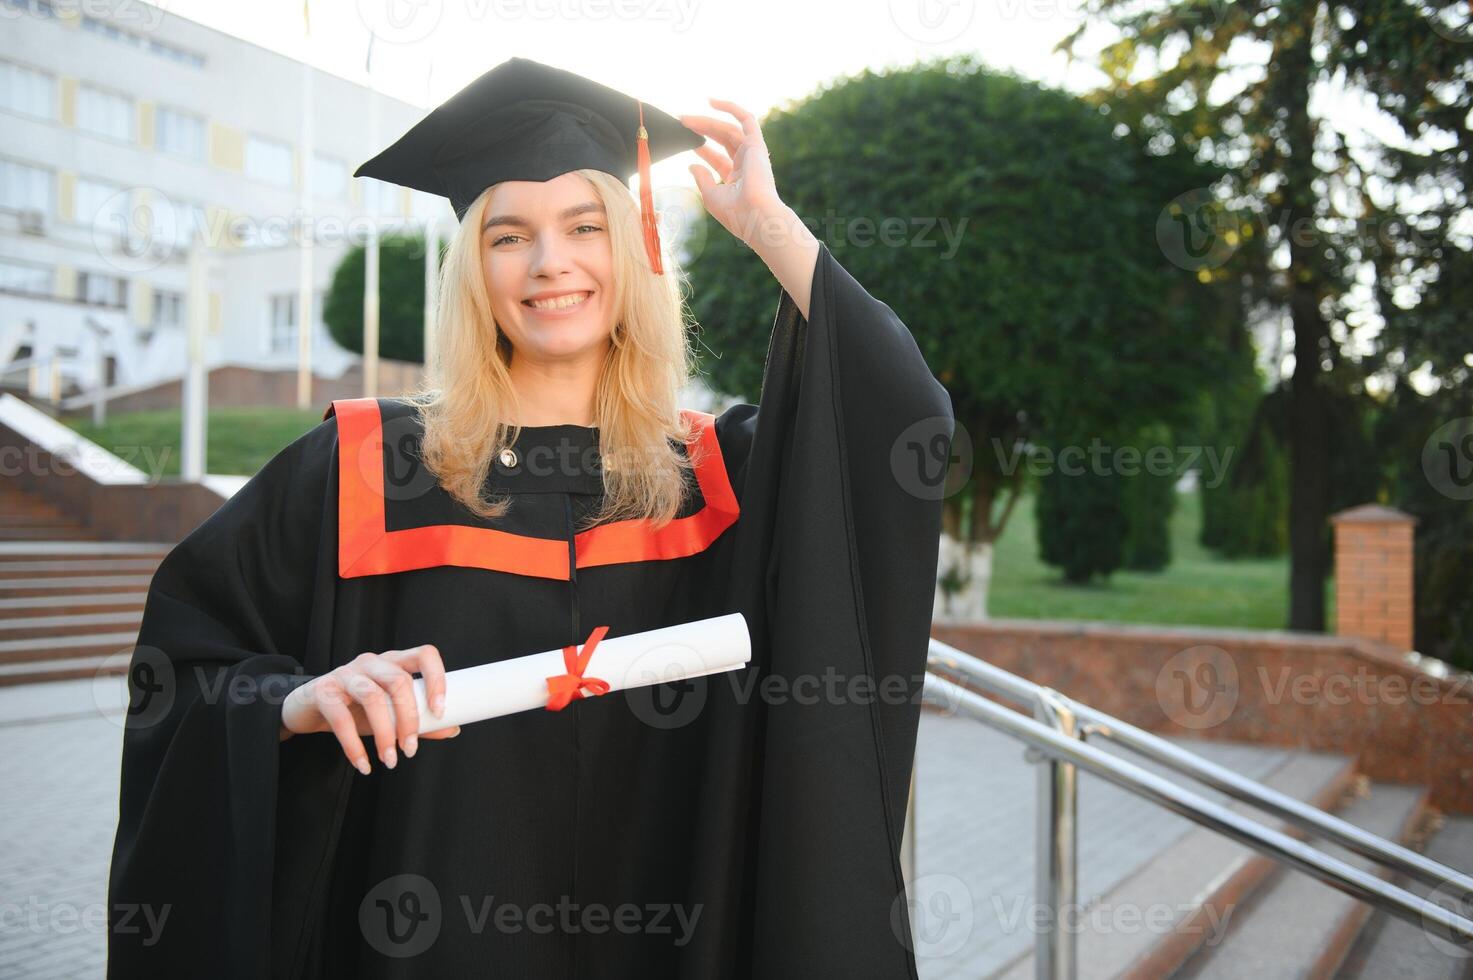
[[366, 547]]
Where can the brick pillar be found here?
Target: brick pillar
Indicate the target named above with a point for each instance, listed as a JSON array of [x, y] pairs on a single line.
[[1373, 574]]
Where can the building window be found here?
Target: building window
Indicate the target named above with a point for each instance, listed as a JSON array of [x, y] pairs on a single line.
[[180, 132], [27, 90], [168, 308], [283, 326], [104, 207], [269, 160], [329, 178], [25, 188], [112, 32], [98, 289], [106, 114], [37, 8], [22, 277]]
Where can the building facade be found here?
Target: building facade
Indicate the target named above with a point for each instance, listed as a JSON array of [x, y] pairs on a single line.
[[123, 138]]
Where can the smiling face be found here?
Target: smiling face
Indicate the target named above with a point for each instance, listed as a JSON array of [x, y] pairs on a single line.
[[548, 263]]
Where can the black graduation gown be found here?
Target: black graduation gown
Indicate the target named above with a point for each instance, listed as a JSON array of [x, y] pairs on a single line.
[[742, 825]]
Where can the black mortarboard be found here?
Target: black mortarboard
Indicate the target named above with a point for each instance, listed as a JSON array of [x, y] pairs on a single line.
[[523, 120]]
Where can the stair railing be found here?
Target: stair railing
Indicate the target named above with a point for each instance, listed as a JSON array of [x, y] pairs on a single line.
[[1057, 731]]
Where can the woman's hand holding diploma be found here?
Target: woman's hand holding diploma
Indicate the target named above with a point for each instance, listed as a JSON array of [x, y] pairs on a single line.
[[373, 692]]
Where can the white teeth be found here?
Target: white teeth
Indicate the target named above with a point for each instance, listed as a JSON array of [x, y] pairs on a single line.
[[559, 302]]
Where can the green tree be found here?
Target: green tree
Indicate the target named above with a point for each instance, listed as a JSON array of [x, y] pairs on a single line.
[[1012, 231], [1237, 85], [401, 299]]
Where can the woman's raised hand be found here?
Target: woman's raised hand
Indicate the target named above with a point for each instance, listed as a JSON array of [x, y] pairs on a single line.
[[373, 693], [741, 194]]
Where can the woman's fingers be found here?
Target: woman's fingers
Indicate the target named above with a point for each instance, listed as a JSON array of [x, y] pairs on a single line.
[[399, 686], [375, 703], [332, 704], [727, 134], [749, 125], [442, 733], [426, 659], [719, 162]]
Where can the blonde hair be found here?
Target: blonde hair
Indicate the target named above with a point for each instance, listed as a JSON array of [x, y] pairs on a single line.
[[464, 399]]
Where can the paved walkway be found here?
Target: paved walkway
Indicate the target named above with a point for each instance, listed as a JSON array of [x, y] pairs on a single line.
[[59, 750]]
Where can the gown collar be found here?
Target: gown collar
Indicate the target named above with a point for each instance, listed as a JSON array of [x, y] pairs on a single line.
[[550, 459]]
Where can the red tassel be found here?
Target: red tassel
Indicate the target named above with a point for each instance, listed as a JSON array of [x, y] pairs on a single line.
[[647, 216]]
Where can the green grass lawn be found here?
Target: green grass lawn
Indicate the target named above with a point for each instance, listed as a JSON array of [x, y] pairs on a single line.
[[240, 441], [1198, 587]]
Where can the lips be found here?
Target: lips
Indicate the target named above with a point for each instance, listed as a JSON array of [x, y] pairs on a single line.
[[564, 301]]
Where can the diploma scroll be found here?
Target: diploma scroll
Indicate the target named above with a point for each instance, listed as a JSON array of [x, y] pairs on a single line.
[[672, 653]]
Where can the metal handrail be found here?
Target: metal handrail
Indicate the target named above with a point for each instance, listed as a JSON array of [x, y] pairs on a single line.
[[1055, 956], [964, 668]]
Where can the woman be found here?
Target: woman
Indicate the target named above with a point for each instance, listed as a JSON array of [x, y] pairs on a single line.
[[546, 483]]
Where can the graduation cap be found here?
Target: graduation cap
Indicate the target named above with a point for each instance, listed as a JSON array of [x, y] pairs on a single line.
[[523, 120]]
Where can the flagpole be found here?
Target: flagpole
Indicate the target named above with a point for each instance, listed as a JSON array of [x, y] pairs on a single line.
[[306, 280], [371, 249]]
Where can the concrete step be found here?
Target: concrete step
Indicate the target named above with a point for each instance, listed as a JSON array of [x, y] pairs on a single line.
[[76, 567], [73, 532], [72, 604], [25, 627], [1390, 947], [1192, 886], [17, 652], [88, 584], [1297, 926], [36, 672], [38, 518], [33, 550]]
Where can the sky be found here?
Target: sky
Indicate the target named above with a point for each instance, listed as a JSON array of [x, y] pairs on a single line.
[[673, 54]]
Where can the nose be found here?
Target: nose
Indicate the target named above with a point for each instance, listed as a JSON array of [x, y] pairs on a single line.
[[549, 257]]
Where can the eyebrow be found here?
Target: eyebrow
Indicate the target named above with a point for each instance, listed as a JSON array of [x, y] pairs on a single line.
[[587, 207]]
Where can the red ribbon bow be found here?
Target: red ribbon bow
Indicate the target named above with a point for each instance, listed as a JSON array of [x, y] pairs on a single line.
[[563, 688]]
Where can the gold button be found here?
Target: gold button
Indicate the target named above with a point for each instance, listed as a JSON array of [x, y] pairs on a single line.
[[508, 457]]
